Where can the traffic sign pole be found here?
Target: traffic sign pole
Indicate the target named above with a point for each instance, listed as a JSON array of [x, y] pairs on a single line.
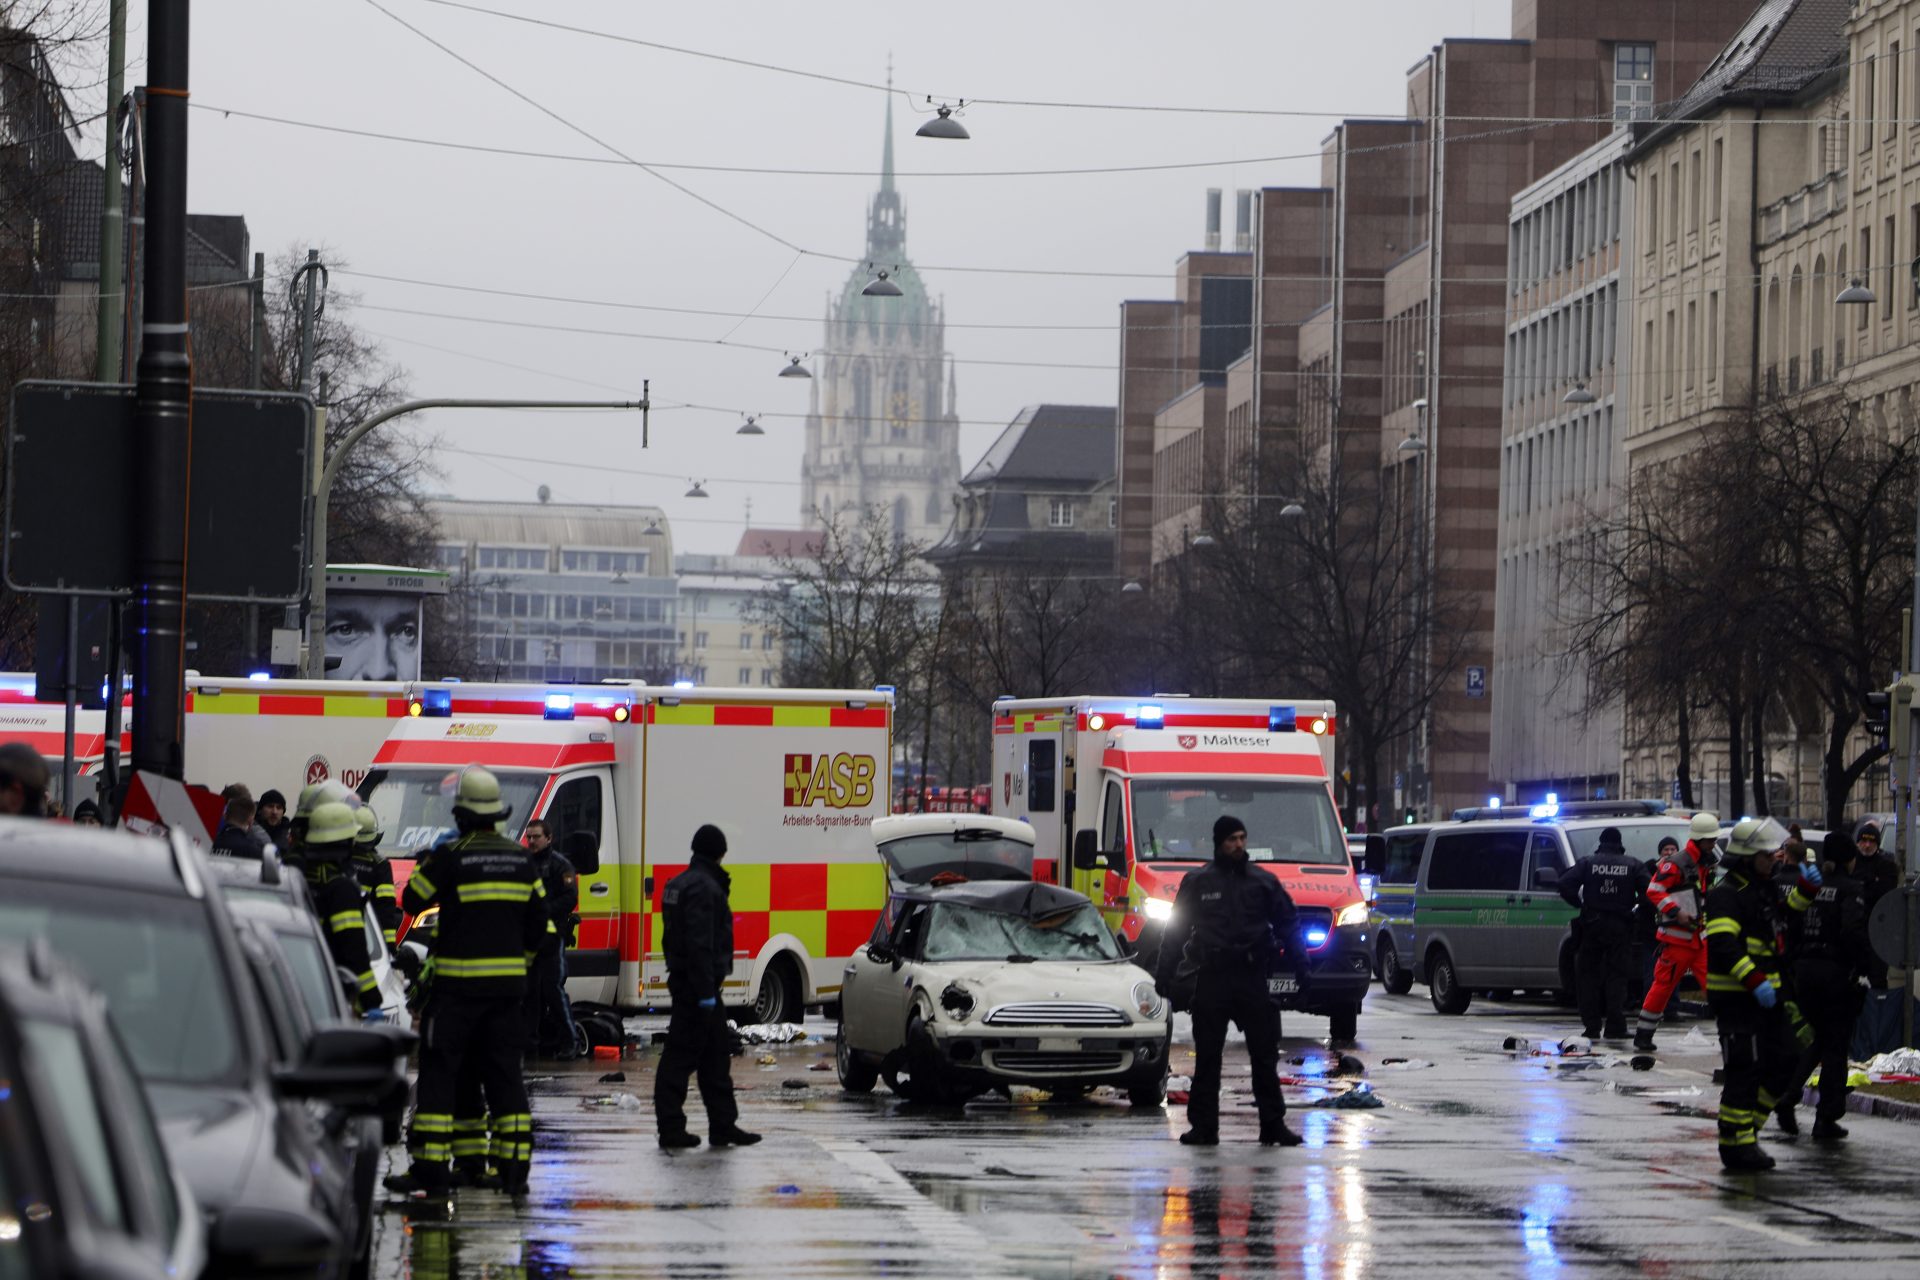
[[163, 381]]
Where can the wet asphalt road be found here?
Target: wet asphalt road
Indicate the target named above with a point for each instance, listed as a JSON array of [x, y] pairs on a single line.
[[1488, 1163]]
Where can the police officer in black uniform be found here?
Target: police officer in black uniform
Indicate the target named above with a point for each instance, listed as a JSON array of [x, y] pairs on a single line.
[[1606, 886], [493, 915], [549, 1017], [699, 949], [1233, 925], [326, 845], [1831, 959]]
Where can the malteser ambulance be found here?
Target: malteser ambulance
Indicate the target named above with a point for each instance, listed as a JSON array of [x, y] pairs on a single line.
[[626, 773], [1122, 794], [268, 734]]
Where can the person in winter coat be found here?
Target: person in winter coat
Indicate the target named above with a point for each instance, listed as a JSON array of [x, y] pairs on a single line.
[[699, 950], [1606, 886], [1677, 893], [1831, 959]]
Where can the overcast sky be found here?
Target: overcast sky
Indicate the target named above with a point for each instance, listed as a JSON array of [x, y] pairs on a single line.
[[611, 232]]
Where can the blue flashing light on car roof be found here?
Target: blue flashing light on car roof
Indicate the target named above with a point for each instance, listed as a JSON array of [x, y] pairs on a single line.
[[1149, 715], [1493, 802], [436, 702], [883, 688], [1548, 810], [1280, 719], [559, 706], [251, 675], [683, 684]]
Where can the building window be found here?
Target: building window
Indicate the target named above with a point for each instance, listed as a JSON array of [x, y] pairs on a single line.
[[1060, 513], [524, 558], [699, 639], [766, 642], [608, 562], [766, 677], [746, 676], [746, 639], [1653, 213], [1886, 294], [1113, 504], [1893, 88], [1632, 82], [1867, 103], [1695, 196]]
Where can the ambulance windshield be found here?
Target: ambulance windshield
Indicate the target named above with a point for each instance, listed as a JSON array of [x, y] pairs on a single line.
[[415, 806], [1286, 821]]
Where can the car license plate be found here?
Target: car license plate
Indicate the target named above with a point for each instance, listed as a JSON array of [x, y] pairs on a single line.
[[1282, 984], [1059, 1045]]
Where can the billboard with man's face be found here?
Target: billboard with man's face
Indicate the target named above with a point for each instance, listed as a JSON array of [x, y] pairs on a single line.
[[375, 618]]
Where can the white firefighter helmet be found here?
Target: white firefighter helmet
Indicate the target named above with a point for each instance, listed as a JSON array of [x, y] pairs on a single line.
[[1705, 827], [479, 793], [317, 793], [331, 823], [1755, 835], [369, 826]]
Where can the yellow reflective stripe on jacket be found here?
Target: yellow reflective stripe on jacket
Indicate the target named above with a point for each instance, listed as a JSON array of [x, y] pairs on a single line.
[[1742, 967], [1759, 946], [385, 891], [421, 885], [345, 921], [367, 981], [496, 891], [1798, 900], [1724, 982], [480, 967], [1720, 924]]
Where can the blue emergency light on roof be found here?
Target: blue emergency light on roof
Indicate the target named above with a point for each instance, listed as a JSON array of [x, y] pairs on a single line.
[[1149, 715], [683, 684], [883, 688], [559, 706], [259, 675], [1281, 719], [437, 702], [1493, 802], [1549, 809]]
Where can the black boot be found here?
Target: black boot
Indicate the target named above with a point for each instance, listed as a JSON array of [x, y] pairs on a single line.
[[681, 1141], [1828, 1131], [1747, 1158], [1643, 1040], [419, 1179], [1200, 1138], [1278, 1134], [732, 1136], [1789, 1122]]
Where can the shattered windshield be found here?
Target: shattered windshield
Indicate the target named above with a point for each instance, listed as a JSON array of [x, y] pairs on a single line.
[[967, 933]]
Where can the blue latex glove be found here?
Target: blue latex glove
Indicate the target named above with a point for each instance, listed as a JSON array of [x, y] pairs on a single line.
[[374, 1015], [1766, 995], [1810, 874], [711, 1001]]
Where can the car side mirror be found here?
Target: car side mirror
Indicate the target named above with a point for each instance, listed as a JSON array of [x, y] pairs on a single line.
[[1545, 877], [582, 849], [1374, 859], [1086, 850], [352, 1067], [881, 953]]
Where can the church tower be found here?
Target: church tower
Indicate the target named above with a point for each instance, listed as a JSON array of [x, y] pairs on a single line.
[[882, 430]]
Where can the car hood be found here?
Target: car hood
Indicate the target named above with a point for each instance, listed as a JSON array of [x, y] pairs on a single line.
[[213, 1135], [995, 982]]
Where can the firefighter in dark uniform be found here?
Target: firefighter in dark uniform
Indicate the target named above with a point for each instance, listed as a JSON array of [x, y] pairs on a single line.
[[1233, 925], [698, 944], [1744, 989], [1606, 886], [1832, 958], [325, 855], [375, 874], [493, 918], [550, 1032]]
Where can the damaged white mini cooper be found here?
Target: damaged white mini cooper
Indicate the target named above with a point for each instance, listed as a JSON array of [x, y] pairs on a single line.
[[978, 978]]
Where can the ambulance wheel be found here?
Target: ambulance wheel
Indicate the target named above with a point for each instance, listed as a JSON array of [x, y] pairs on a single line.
[[857, 1075], [1394, 976], [1443, 984], [1343, 1024], [779, 996]]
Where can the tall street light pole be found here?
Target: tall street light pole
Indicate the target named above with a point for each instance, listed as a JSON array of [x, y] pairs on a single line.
[[163, 413], [315, 665]]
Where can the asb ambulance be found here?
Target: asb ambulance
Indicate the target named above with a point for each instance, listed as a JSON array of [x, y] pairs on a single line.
[[625, 773], [1122, 794]]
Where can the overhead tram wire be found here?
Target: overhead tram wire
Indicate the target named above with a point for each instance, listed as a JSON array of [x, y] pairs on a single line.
[[1061, 105]]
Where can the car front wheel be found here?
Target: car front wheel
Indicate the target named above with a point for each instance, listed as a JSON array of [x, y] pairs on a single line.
[[1443, 984], [1394, 976]]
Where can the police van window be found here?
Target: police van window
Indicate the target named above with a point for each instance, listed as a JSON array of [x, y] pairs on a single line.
[[1403, 858], [1113, 821], [1642, 840], [1040, 776], [1545, 857], [1477, 860], [575, 807]]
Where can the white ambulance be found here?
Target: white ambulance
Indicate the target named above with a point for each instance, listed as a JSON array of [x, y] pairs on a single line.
[[268, 734], [1122, 794], [626, 773]]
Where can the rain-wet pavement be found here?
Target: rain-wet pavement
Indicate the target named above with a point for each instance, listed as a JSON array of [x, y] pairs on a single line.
[[1490, 1162]]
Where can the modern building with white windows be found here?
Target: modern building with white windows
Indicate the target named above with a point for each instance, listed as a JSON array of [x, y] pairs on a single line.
[[560, 591], [1562, 464]]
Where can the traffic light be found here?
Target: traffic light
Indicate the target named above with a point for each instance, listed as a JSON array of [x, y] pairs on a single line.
[[1878, 717], [1899, 717]]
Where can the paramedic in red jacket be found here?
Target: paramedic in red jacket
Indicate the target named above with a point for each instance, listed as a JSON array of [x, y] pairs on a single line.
[[1678, 892]]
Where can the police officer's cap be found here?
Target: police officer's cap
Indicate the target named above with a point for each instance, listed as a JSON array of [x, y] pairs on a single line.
[[1610, 835], [369, 827], [479, 794], [331, 823]]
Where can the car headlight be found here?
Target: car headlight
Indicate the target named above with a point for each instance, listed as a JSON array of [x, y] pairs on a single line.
[[1352, 913], [1158, 909], [1146, 1000], [957, 1001]]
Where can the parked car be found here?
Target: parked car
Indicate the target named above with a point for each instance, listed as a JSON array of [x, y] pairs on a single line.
[[207, 1025], [977, 977], [89, 1190], [1473, 905]]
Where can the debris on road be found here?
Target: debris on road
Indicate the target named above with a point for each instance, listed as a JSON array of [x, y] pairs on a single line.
[[767, 1060], [614, 1077], [1698, 1039], [796, 1084], [769, 1032], [1653, 1090], [1358, 1098], [1898, 1062], [612, 1102], [1405, 1064], [1349, 1066]]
